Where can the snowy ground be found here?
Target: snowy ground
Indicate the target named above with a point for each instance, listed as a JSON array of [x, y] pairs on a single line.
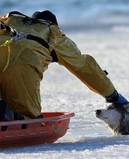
[[87, 138]]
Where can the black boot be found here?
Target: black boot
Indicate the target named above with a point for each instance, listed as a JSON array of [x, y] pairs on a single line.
[[6, 114]]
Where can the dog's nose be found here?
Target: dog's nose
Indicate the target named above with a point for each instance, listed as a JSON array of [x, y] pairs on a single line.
[[98, 112]]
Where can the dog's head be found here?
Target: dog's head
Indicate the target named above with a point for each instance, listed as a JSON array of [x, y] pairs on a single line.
[[116, 116]]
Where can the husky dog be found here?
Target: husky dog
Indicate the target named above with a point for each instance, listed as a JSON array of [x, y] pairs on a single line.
[[116, 117]]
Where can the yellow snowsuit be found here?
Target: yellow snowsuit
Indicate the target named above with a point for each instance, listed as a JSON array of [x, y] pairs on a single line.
[[20, 81]]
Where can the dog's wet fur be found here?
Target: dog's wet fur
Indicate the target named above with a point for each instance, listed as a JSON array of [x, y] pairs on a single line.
[[116, 116]]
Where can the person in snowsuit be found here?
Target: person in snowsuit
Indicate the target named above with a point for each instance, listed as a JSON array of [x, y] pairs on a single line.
[[24, 59]]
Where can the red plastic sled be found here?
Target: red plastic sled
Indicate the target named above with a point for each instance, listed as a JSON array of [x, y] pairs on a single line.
[[48, 129]]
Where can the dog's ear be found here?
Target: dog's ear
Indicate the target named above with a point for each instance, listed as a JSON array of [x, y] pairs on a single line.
[[126, 107]]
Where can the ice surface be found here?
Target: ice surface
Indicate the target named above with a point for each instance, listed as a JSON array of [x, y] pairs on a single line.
[[87, 137]]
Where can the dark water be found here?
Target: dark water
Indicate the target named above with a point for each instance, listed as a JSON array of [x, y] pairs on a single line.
[[75, 13]]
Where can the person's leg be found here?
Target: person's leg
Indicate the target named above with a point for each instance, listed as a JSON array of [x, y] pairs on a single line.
[[21, 88]]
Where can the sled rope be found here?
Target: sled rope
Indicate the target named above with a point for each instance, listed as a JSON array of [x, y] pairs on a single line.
[[6, 44], [8, 59]]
